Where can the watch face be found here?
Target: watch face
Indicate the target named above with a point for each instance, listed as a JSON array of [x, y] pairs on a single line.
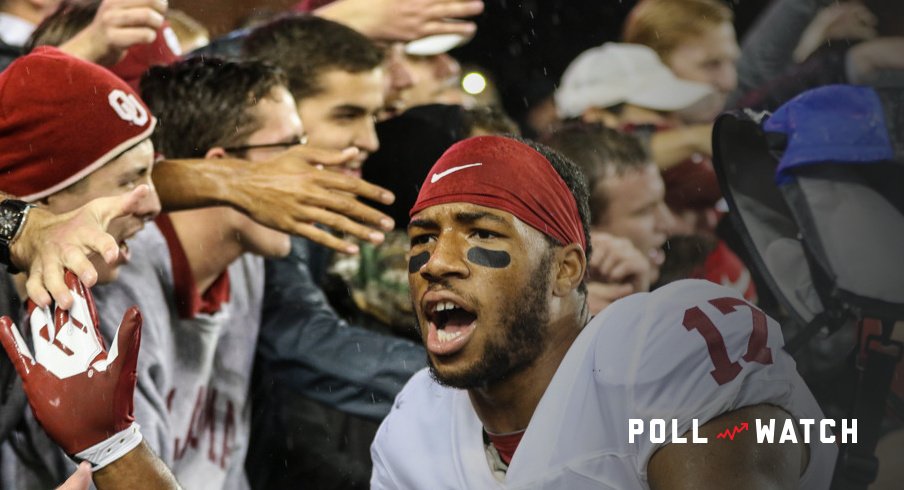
[[9, 221]]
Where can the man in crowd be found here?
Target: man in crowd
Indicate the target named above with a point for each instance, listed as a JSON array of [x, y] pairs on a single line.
[[199, 274], [626, 201], [420, 71], [636, 94], [694, 38], [335, 75], [320, 384], [109, 153], [523, 391], [627, 87]]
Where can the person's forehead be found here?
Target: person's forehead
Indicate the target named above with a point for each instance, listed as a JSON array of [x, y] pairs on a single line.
[[461, 210], [363, 87], [716, 38], [138, 157], [463, 213], [277, 108], [635, 186]]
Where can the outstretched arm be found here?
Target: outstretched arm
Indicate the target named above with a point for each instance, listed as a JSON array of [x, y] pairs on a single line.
[[290, 193], [49, 243]]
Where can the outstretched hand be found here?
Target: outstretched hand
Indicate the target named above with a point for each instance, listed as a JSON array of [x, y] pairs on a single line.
[[79, 392], [293, 191], [50, 243]]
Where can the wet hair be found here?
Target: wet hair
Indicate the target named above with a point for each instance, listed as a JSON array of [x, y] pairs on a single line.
[[306, 47], [601, 153], [665, 24], [202, 103]]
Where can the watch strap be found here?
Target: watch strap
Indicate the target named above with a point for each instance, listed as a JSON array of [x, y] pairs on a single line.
[[21, 208]]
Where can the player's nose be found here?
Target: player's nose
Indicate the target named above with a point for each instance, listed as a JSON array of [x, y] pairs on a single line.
[[446, 260]]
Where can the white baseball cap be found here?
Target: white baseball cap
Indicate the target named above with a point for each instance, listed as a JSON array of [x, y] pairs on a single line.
[[433, 45], [617, 73]]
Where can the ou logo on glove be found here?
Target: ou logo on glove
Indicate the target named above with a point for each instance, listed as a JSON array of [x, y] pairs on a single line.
[[81, 394], [64, 344]]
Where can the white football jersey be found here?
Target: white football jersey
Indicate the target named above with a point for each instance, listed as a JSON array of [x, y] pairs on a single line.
[[689, 350]]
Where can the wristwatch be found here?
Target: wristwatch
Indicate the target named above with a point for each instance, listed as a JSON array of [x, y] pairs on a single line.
[[12, 219]]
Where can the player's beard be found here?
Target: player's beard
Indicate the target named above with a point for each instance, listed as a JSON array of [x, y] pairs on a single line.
[[522, 341]]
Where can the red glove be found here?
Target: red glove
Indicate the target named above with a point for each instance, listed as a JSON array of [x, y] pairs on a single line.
[[80, 393]]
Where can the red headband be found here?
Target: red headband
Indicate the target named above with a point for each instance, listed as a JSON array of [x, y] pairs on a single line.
[[504, 174]]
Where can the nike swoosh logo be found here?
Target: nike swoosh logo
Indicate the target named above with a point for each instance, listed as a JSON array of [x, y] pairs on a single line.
[[435, 178]]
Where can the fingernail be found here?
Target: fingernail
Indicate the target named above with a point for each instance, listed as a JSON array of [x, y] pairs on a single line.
[[377, 237], [387, 223], [387, 197], [351, 249], [111, 254]]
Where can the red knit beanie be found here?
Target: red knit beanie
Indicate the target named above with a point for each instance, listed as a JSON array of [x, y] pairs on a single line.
[[61, 119]]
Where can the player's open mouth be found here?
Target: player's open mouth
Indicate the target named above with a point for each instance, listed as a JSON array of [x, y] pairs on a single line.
[[450, 325]]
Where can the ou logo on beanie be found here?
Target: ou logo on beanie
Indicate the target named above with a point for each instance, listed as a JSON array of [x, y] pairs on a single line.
[[61, 119], [128, 108]]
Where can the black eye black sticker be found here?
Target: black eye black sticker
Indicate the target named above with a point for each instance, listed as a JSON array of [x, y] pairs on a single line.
[[415, 263], [496, 259]]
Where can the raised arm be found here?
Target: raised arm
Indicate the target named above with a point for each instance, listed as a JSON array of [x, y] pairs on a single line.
[[118, 25]]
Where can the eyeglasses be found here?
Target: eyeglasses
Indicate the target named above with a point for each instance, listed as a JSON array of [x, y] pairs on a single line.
[[301, 140]]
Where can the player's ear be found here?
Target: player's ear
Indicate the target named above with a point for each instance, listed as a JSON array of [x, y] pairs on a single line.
[[572, 264], [215, 152]]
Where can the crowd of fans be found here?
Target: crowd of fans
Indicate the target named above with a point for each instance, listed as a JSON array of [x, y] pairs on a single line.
[[215, 184]]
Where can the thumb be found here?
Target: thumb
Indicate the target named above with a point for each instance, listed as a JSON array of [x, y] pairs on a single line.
[[16, 348], [109, 208], [124, 353], [124, 362]]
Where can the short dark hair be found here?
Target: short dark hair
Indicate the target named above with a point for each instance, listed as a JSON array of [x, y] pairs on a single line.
[[306, 46], [577, 184], [202, 103], [601, 153], [69, 18]]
